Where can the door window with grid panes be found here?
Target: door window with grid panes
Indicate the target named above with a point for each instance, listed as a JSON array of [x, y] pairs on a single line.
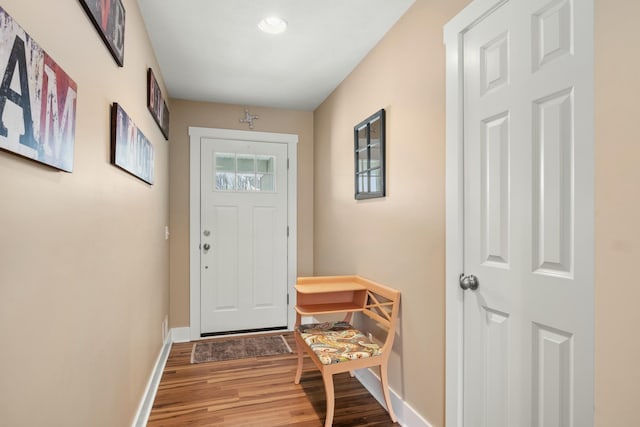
[[244, 172]]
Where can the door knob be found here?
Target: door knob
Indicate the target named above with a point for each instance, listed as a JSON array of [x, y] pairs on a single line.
[[206, 246], [469, 282]]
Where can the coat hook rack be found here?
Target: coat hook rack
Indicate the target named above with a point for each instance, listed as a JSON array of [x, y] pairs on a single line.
[[249, 118]]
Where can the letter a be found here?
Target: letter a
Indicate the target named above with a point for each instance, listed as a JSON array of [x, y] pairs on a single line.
[[17, 58]]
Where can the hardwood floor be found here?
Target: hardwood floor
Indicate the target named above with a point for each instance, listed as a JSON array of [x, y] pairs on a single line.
[[256, 392]]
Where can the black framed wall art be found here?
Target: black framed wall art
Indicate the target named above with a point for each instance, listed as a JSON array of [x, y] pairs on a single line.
[[369, 147], [37, 100], [156, 104], [131, 151], [108, 17]]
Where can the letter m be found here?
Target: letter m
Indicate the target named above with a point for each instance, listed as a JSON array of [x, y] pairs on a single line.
[[57, 128]]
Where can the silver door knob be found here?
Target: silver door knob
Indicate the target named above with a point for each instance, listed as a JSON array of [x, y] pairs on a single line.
[[469, 282], [206, 246]]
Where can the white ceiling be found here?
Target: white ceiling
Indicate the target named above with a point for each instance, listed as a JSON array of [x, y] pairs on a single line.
[[212, 50]]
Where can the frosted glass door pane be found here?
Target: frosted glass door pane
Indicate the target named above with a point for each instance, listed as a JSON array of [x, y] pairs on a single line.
[[265, 183], [266, 164], [225, 167], [246, 164], [246, 178]]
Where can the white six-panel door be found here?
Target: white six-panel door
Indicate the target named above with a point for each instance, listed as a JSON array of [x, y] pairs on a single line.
[[243, 235], [528, 215]]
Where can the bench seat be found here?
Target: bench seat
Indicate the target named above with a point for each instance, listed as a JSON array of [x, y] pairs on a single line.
[[336, 342]]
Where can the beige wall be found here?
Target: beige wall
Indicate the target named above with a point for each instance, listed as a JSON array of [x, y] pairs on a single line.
[[617, 87], [224, 116], [83, 260], [398, 240]]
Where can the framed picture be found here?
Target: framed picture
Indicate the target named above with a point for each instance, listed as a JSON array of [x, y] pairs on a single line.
[[37, 100], [156, 104], [108, 18], [131, 151], [369, 142]]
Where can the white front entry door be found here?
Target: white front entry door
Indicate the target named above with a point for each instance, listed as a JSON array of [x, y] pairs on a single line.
[[528, 340], [243, 235]]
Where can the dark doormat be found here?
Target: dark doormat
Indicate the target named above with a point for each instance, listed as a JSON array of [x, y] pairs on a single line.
[[239, 348]]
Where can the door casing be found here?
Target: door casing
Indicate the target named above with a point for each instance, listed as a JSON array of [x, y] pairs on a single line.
[[196, 134]]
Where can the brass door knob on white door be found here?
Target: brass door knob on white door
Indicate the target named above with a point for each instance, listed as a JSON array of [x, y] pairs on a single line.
[[469, 282]]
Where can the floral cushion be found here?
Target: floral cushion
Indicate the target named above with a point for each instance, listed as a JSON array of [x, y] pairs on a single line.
[[335, 342]]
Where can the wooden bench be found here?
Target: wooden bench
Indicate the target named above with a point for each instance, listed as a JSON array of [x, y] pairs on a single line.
[[336, 347]]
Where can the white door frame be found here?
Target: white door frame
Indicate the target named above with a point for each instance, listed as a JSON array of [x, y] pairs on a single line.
[[196, 134], [454, 305]]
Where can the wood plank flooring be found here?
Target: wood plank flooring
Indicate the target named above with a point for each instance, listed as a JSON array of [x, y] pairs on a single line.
[[256, 392]]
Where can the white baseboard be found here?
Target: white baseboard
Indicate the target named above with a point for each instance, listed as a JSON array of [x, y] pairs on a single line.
[[181, 334], [407, 416], [142, 415]]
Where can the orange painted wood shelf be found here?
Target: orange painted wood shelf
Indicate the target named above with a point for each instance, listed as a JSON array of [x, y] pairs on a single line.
[[324, 295]]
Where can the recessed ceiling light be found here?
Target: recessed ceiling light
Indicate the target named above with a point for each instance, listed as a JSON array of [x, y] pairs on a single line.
[[273, 25]]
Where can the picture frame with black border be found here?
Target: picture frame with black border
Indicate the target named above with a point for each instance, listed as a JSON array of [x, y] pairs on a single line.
[[369, 155], [131, 151], [37, 100], [108, 18], [156, 104]]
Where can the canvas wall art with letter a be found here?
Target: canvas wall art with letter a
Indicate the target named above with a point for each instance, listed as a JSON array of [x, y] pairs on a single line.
[[37, 100]]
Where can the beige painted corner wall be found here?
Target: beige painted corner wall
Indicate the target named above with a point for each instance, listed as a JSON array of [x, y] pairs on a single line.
[[200, 114], [398, 240], [83, 260], [617, 88]]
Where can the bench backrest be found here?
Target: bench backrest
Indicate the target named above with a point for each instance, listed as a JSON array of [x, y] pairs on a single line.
[[382, 305]]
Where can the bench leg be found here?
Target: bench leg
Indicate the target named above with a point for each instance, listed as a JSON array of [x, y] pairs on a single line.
[[385, 391], [300, 352], [330, 397]]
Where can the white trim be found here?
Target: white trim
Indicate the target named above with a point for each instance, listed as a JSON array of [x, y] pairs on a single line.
[[468, 17], [195, 136], [453, 32], [144, 409], [407, 416]]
